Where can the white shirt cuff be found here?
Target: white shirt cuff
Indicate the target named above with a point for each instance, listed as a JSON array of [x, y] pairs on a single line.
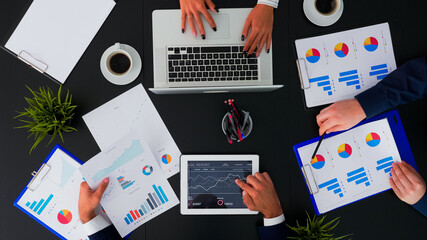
[[272, 3], [274, 221], [95, 225]]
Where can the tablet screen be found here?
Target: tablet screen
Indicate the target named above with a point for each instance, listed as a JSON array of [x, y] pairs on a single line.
[[211, 184]]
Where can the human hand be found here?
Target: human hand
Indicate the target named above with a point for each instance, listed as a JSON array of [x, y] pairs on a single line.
[[340, 116], [261, 21], [259, 195], [89, 200], [407, 183], [192, 9]]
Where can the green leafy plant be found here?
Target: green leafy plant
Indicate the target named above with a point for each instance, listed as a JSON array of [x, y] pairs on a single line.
[[317, 228], [47, 114]]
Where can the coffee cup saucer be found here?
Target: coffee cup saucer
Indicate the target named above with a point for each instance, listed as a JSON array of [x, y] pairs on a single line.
[[133, 72]]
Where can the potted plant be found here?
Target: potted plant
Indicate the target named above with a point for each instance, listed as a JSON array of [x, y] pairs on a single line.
[[47, 114], [316, 228]]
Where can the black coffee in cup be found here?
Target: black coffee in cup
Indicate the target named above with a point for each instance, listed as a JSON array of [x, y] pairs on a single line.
[[119, 64], [326, 7]]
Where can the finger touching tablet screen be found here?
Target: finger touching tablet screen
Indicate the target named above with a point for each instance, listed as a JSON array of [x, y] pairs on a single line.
[[208, 183]]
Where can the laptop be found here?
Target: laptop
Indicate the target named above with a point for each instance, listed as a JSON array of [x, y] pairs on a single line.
[[187, 64]]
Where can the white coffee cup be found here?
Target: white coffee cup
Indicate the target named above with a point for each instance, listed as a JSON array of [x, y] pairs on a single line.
[[322, 18], [119, 62]]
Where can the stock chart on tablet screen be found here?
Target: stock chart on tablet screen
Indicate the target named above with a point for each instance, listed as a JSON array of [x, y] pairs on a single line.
[[211, 184]]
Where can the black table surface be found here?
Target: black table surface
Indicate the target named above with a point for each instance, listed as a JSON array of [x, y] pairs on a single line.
[[280, 120]]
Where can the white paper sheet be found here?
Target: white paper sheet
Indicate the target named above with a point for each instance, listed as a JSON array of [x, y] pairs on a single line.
[[352, 174], [353, 68], [57, 32], [55, 200], [138, 191], [131, 111]]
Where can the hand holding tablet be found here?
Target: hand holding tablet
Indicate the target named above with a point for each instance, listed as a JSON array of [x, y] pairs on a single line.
[[260, 195], [208, 184]]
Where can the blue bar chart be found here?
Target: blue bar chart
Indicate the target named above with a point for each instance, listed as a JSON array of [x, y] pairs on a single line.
[[351, 78], [380, 71], [323, 82], [332, 185], [385, 164], [39, 206], [153, 201], [123, 183], [358, 176]]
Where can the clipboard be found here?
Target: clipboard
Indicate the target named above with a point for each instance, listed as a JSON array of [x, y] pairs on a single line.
[[400, 139], [340, 65], [36, 182], [52, 35]]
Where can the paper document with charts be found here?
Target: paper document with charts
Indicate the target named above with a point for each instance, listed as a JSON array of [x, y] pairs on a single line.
[[341, 65], [350, 166], [138, 191], [134, 110]]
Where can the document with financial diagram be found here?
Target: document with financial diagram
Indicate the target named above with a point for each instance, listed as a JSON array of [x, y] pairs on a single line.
[[350, 166], [138, 191], [134, 110], [341, 65]]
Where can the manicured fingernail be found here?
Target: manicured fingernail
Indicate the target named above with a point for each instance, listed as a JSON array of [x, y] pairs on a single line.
[[244, 193], [214, 28], [268, 51], [182, 30], [243, 37], [106, 180], [194, 34], [203, 36]]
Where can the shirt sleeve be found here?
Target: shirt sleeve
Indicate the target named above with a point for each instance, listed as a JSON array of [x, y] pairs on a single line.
[[272, 3], [406, 84], [421, 205], [95, 225], [274, 221]]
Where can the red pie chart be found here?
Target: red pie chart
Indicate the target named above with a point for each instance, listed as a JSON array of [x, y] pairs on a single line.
[[65, 216]]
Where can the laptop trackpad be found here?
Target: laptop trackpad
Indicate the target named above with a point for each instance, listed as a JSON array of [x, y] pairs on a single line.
[[222, 24]]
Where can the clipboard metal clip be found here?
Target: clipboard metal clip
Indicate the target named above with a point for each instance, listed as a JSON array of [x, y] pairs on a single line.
[[38, 177], [33, 62], [309, 179], [303, 73]]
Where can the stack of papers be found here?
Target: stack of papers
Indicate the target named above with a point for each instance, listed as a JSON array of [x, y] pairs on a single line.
[[138, 155]]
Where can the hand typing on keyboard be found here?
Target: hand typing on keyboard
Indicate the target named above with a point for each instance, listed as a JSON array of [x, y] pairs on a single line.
[[261, 21], [191, 10]]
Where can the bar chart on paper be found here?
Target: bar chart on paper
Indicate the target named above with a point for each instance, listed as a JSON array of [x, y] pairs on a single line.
[[38, 207], [153, 201], [358, 176], [332, 185]]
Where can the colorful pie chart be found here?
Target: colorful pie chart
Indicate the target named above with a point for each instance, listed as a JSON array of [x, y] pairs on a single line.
[[147, 170], [312, 55], [318, 162], [166, 159], [65, 216], [344, 150], [373, 139], [371, 44], [341, 50]]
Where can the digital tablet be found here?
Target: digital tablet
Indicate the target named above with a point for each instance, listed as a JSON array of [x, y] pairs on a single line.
[[208, 183]]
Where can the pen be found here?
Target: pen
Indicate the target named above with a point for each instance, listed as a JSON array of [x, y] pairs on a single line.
[[318, 145]]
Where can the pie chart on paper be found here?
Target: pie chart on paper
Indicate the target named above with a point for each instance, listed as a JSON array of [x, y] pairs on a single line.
[[312, 55], [166, 159], [373, 139], [344, 150], [65, 216], [341, 50], [318, 161], [371, 44]]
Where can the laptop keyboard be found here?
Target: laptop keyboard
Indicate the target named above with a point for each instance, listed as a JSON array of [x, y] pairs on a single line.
[[211, 63]]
